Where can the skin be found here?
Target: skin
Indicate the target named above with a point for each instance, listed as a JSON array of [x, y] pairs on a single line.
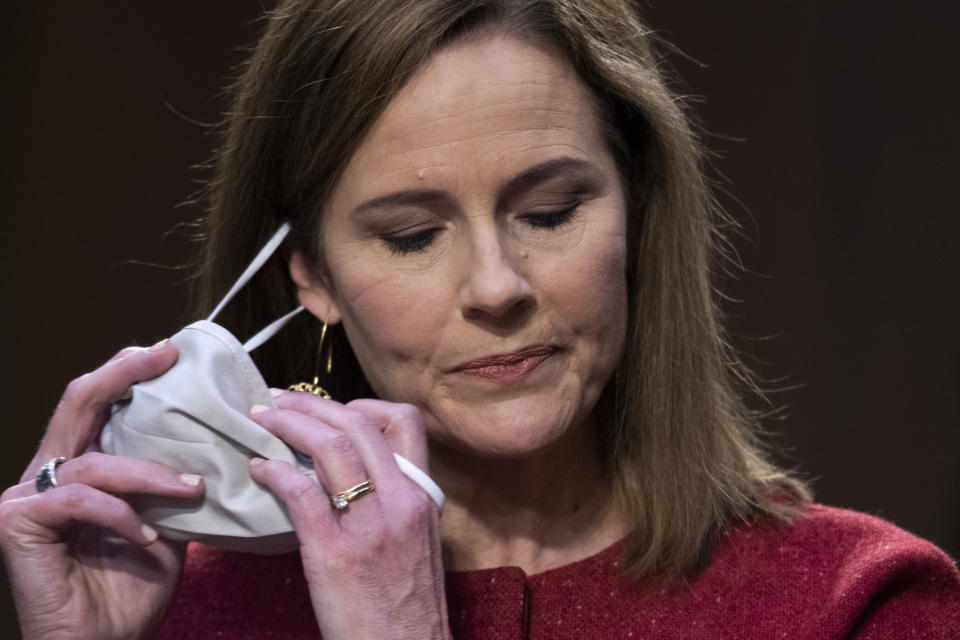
[[520, 243], [488, 265], [80, 561]]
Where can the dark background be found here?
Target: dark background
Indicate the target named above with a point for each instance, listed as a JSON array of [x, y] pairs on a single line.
[[834, 123]]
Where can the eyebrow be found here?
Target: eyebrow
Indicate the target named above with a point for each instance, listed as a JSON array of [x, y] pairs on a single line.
[[410, 197], [583, 171], [515, 186]]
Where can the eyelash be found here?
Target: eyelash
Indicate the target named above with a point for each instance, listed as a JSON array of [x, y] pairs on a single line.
[[411, 243], [551, 219], [418, 241]]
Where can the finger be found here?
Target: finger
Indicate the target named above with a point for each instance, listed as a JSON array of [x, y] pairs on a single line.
[[403, 429], [46, 517], [365, 431], [337, 461], [124, 353], [306, 501], [118, 475], [401, 425], [85, 405]]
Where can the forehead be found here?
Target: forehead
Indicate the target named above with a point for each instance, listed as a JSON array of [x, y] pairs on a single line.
[[479, 105]]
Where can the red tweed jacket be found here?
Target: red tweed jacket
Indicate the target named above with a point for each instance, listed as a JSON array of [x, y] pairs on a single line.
[[832, 574]]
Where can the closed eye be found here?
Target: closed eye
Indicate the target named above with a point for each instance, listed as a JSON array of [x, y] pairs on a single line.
[[411, 242], [551, 219]]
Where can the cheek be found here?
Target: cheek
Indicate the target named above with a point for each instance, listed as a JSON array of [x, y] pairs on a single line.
[[390, 317], [587, 284]]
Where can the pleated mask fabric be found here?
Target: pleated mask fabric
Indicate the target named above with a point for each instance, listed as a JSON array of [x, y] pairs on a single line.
[[195, 418]]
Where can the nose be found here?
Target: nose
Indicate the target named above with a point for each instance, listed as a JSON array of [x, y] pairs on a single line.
[[494, 289]]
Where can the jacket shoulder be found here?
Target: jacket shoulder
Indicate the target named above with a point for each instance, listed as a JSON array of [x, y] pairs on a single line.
[[855, 574]]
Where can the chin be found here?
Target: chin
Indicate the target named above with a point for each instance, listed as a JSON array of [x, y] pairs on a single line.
[[500, 433]]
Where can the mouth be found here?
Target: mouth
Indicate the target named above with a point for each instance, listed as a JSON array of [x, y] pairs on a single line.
[[507, 366]]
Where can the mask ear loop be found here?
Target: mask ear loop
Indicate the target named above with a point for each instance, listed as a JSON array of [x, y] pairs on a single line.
[[258, 261], [254, 266], [269, 331]]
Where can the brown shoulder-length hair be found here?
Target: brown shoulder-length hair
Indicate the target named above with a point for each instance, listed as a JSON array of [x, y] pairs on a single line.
[[683, 451]]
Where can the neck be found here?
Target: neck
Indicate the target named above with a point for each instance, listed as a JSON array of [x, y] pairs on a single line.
[[537, 512]]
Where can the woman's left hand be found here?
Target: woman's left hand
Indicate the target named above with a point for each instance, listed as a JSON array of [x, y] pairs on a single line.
[[374, 569]]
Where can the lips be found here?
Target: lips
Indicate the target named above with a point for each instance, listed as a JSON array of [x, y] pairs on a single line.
[[507, 366]]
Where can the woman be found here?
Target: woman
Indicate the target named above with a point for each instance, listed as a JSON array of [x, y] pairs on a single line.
[[499, 208]]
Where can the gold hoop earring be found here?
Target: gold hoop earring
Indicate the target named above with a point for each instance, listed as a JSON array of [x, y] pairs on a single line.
[[314, 387]]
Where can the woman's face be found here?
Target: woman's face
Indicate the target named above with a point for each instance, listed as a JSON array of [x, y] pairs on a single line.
[[475, 250]]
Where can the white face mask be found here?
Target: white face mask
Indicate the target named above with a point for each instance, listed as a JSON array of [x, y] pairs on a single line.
[[195, 418]]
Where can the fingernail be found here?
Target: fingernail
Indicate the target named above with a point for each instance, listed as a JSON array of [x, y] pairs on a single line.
[[160, 345], [191, 479], [255, 461], [275, 392], [259, 408], [149, 533]]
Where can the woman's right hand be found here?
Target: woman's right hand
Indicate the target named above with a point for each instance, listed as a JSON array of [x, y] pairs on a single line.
[[80, 561]]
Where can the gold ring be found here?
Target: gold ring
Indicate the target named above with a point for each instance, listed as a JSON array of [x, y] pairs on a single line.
[[342, 499]]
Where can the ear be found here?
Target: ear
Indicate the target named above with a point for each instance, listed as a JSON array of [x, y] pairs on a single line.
[[314, 290]]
